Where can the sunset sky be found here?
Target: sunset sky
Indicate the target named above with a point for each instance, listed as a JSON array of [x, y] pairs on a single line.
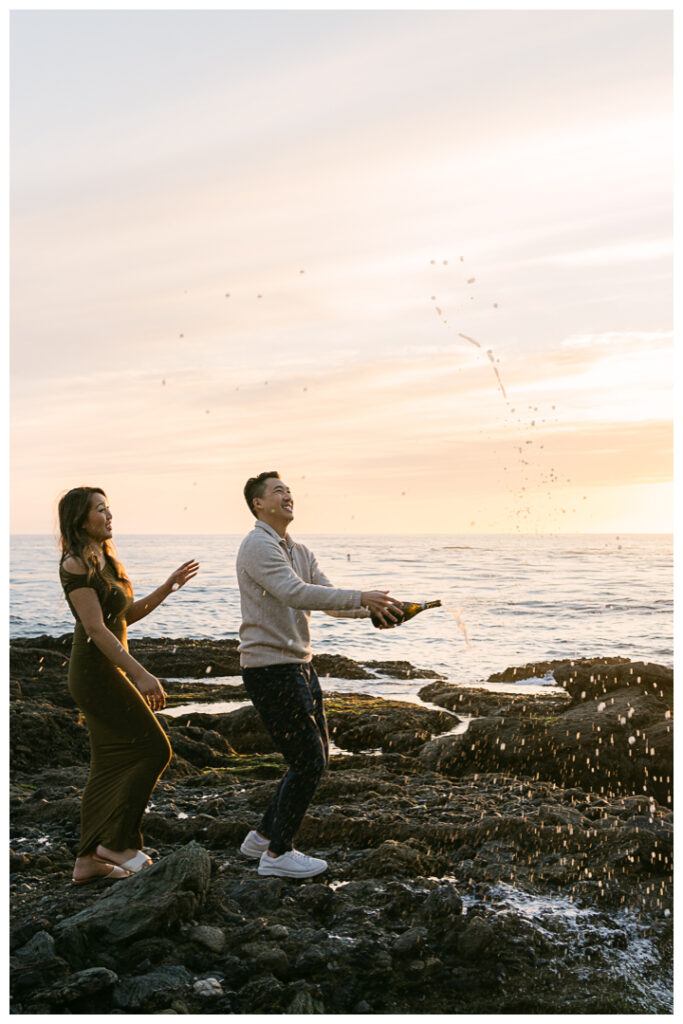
[[421, 263]]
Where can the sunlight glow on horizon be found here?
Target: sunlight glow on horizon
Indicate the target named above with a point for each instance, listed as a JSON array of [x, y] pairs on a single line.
[[275, 255]]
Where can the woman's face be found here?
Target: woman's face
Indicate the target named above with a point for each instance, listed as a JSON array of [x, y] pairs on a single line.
[[98, 521]]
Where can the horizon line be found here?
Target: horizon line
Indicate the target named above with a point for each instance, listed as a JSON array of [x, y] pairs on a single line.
[[484, 533]]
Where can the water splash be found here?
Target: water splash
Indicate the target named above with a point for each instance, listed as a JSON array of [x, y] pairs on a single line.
[[460, 623]]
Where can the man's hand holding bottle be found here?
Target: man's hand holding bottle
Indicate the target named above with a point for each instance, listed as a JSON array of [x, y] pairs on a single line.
[[386, 609]]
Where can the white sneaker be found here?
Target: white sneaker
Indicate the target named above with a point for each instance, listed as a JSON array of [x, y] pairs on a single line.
[[253, 846], [291, 864]]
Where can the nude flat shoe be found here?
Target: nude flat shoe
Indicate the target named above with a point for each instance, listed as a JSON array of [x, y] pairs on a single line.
[[115, 875]]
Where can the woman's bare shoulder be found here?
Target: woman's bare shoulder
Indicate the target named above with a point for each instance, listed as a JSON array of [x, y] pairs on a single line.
[[74, 565]]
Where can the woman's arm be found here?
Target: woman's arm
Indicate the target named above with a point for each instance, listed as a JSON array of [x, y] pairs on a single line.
[[89, 611], [175, 581]]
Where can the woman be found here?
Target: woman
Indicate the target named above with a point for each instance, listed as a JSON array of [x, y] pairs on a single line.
[[117, 696]]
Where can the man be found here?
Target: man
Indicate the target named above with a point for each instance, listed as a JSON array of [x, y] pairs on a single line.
[[280, 583]]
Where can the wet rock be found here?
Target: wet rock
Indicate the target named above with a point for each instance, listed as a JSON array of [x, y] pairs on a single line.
[[539, 669], [189, 658], [362, 722], [442, 905], [179, 692], [152, 991], [621, 744], [402, 670], [200, 747], [339, 667], [149, 902], [586, 680], [478, 702]]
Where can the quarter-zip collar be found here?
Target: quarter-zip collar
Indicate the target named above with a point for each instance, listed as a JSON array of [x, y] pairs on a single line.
[[286, 540]]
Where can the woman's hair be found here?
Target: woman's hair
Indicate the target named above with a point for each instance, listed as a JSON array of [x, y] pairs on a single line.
[[73, 510]]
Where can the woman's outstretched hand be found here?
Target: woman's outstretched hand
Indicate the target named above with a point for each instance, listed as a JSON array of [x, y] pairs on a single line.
[[183, 574]]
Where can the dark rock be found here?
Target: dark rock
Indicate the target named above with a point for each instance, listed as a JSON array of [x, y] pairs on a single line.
[[152, 991], [618, 745], [37, 965], [84, 983], [38, 949], [476, 701], [539, 669], [274, 961], [441, 905], [34, 662], [189, 658], [37, 726], [409, 942], [245, 732], [586, 680], [319, 900], [149, 902], [339, 667], [264, 995], [20, 935], [402, 670], [306, 999], [393, 860], [17, 861], [361, 722], [310, 960], [200, 747], [475, 938]]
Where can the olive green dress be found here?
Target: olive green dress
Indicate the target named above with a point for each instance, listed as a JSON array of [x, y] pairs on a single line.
[[128, 748]]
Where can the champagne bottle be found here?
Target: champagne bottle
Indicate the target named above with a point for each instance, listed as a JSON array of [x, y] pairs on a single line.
[[410, 610]]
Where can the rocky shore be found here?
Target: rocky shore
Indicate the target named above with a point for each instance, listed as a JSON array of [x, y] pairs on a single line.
[[489, 852]]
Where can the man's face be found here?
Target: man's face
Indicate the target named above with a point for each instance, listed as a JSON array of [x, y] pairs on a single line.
[[276, 503]]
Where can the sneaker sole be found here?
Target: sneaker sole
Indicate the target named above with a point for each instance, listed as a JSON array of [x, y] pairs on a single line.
[[282, 873], [252, 854]]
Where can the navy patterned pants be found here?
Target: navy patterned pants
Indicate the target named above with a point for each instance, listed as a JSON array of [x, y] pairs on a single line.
[[290, 702]]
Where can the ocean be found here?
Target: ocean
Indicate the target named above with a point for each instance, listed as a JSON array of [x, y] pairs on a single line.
[[507, 599]]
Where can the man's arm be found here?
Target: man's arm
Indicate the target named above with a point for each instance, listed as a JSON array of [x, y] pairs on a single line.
[[320, 579], [265, 562]]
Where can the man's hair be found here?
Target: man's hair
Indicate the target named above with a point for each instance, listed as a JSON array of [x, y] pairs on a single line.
[[255, 487]]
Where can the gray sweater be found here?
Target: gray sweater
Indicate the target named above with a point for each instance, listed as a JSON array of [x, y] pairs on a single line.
[[280, 583]]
